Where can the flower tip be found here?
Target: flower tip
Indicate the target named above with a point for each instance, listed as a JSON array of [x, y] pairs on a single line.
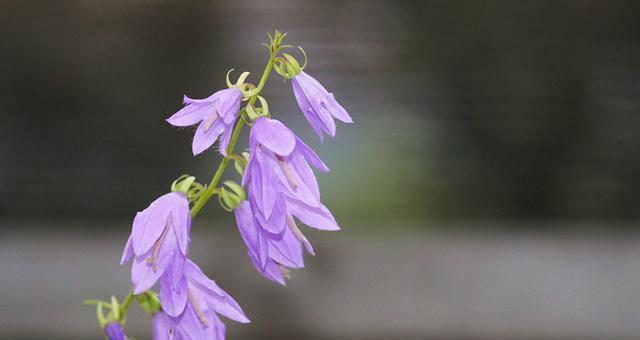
[[137, 290], [196, 150]]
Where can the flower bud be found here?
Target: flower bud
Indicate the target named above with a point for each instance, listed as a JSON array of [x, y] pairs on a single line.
[[288, 67], [230, 195], [114, 331], [188, 186]]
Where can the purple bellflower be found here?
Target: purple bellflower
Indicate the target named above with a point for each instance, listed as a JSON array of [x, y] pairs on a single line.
[[215, 115], [318, 105], [280, 180], [114, 331], [199, 319], [159, 242], [281, 186]]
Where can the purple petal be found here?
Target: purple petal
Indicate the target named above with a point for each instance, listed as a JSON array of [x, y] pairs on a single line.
[[246, 177], [162, 326], [274, 135], [206, 101], [224, 304], [203, 140], [316, 217], [143, 277], [149, 224], [225, 139], [337, 110], [189, 326], [127, 254], [181, 220], [307, 189], [311, 156], [190, 115], [270, 271], [197, 277], [267, 189], [254, 239], [229, 104], [287, 250], [143, 273], [173, 297], [277, 222], [262, 247]]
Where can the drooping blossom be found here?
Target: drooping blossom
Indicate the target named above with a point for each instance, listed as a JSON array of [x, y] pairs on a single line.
[[318, 105], [114, 331], [159, 241], [199, 319], [280, 180], [282, 186], [215, 116]]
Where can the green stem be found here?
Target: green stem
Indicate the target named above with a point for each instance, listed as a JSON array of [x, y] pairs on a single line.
[[127, 301], [211, 189]]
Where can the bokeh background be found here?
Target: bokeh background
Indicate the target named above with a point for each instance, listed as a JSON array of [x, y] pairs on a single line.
[[488, 189]]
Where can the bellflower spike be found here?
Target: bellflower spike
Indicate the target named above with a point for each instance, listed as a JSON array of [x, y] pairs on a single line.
[[318, 105], [215, 115], [158, 241], [199, 319], [114, 331]]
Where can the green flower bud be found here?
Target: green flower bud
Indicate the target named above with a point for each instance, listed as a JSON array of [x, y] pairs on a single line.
[[230, 195]]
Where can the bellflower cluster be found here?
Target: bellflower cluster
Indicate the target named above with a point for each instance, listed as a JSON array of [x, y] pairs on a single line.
[[281, 186], [278, 190]]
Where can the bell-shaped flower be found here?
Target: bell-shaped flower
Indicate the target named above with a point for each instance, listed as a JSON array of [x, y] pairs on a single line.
[[280, 180], [159, 240], [215, 116], [273, 254], [198, 319], [318, 105]]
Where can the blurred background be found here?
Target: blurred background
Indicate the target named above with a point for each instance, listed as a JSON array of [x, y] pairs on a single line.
[[487, 190]]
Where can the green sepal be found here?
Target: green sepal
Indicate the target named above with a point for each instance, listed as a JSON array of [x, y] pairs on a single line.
[[251, 112], [225, 201], [292, 66], [230, 195], [239, 164], [149, 302], [237, 189], [182, 184], [115, 308], [187, 185]]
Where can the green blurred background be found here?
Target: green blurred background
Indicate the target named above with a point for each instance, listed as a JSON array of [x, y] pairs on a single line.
[[488, 188]]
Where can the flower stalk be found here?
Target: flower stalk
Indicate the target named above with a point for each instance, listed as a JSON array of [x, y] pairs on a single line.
[[278, 186]]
